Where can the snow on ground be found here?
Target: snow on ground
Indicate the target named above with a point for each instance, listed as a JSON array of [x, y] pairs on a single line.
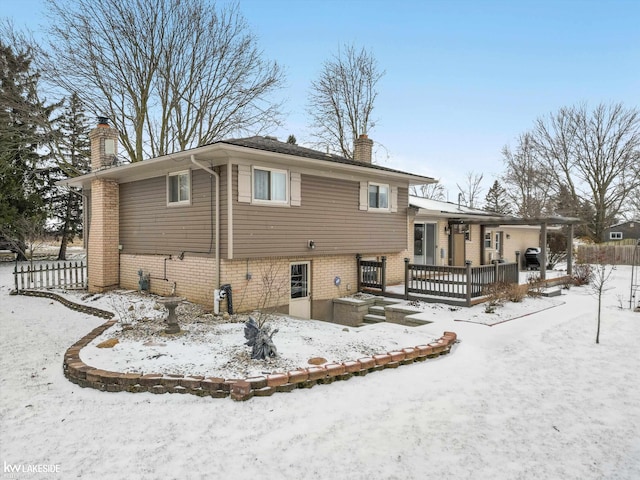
[[210, 346], [532, 397]]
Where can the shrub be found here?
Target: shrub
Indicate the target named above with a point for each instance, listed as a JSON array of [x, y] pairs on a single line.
[[497, 293], [535, 286], [582, 274], [516, 293], [568, 283], [500, 292]]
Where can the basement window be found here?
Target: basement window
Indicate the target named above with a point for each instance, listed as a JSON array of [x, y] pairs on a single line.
[[179, 188]]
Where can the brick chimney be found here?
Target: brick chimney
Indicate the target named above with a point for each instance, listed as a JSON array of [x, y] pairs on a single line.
[[103, 251], [362, 149], [104, 145]]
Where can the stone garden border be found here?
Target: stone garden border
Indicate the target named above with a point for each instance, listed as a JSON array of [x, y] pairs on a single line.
[[76, 371], [96, 312]]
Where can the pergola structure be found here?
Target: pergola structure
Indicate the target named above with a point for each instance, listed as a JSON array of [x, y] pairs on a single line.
[[542, 222]]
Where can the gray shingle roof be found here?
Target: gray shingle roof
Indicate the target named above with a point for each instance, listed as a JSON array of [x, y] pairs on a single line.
[[271, 144]]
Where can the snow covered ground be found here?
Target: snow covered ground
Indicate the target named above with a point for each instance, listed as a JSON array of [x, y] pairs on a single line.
[[532, 397]]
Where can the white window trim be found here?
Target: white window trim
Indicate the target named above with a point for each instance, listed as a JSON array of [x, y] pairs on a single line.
[[259, 201], [490, 239], [179, 202], [615, 236], [379, 209]]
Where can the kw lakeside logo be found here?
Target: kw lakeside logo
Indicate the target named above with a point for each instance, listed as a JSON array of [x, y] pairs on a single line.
[[31, 468]]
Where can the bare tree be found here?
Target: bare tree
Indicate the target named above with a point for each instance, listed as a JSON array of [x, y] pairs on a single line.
[[525, 178], [27, 236], [471, 190], [170, 74], [633, 210], [432, 191], [593, 155], [342, 99], [599, 281], [274, 283]]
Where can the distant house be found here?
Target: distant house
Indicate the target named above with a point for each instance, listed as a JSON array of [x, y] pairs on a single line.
[[622, 231], [269, 223]]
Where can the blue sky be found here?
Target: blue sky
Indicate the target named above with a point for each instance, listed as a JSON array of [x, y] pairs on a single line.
[[463, 78]]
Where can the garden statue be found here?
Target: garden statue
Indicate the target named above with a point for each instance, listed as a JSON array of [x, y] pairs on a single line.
[[260, 339]]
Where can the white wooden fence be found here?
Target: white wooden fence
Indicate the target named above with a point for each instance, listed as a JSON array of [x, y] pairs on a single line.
[[71, 275]]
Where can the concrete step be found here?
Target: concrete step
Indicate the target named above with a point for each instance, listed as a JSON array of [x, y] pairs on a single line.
[[547, 292], [370, 318], [382, 301], [377, 310]]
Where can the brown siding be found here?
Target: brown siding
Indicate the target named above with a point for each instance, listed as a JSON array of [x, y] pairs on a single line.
[[329, 215], [149, 226], [223, 211]]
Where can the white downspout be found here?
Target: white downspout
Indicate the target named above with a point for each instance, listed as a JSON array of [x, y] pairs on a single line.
[[216, 300]]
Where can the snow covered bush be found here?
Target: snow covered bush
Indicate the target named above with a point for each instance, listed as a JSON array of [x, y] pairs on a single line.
[[582, 274]]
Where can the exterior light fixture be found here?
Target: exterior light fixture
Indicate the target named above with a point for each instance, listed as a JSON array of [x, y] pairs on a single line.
[[311, 244]]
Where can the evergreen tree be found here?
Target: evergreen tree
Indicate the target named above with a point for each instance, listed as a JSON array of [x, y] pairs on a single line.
[[568, 205], [23, 118], [292, 139], [497, 200], [71, 157]]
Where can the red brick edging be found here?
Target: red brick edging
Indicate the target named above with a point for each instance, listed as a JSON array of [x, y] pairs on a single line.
[[240, 389], [78, 372]]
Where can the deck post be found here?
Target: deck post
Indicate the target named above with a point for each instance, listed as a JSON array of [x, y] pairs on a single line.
[[468, 292], [543, 255], [496, 274], [406, 278], [358, 272], [384, 273], [570, 251]]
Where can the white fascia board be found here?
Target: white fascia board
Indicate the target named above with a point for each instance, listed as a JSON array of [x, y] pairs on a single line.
[[219, 153]]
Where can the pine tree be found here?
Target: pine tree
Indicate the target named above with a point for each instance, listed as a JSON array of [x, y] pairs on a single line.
[[71, 152], [497, 201], [567, 205], [23, 118]]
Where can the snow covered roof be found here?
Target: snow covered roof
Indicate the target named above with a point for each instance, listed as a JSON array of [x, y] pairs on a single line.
[[453, 209], [464, 214]]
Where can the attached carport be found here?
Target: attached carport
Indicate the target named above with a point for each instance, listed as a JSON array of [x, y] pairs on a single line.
[[542, 222]]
